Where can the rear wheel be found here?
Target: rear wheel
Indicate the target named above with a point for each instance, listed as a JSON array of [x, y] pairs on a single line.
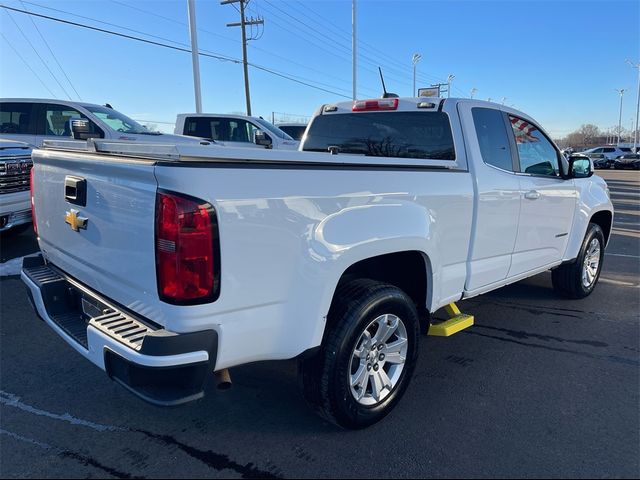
[[578, 279], [368, 355]]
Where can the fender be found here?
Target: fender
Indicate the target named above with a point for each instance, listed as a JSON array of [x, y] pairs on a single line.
[[357, 233], [593, 197]]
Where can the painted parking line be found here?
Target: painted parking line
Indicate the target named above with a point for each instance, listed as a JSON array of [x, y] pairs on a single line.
[[621, 255]]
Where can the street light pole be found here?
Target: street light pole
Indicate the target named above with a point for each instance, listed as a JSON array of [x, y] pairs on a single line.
[[635, 136], [195, 59], [415, 59], [449, 80], [621, 92], [473, 91]]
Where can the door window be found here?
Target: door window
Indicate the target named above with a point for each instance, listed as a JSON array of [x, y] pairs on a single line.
[[56, 121], [492, 137], [16, 118], [537, 154]]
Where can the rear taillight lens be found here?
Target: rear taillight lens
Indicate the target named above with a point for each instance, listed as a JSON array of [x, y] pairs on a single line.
[[187, 250], [33, 205]]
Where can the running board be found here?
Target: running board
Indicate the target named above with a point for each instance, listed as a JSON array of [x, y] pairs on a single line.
[[456, 322]]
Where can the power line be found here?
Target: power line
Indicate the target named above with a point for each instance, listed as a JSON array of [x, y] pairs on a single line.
[[172, 47], [172, 20], [52, 54], [36, 52], [27, 64]]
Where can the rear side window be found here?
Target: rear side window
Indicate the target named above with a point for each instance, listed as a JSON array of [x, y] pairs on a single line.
[[609, 150], [492, 137], [384, 134], [16, 118], [536, 153], [220, 129]]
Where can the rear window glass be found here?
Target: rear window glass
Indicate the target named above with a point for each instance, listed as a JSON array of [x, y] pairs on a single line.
[[16, 118], [383, 134]]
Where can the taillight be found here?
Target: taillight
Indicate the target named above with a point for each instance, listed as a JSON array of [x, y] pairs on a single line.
[[33, 205], [371, 105], [187, 250]]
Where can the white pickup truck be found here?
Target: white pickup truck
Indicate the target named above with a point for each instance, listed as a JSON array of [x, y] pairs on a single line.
[[161, 265]]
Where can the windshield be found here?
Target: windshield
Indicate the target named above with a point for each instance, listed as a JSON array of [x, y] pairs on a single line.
[[273, 129], [118, 121]]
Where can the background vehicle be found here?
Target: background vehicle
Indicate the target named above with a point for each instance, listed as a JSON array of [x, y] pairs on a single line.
[[336, 255], [234, 130], [631, 160], [600, 160], [33, 121], [15, 202], [294, 130], [611, 152]]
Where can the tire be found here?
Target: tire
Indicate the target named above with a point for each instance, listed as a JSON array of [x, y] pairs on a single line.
[[573, 280], [326, 378]]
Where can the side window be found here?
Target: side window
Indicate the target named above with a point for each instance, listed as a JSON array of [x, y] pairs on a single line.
[[16, 118], [238, 131], [56, 121], [598, 150], [609, 150], [537, 154], [492, 137]]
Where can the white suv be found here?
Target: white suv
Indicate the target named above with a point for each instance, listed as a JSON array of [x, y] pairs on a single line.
[[610, 152]]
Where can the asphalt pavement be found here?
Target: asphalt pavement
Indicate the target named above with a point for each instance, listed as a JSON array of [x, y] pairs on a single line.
[[539, 387]]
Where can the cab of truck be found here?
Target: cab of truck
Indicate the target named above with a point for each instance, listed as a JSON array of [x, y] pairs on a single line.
[[34, 120], [235, 131]]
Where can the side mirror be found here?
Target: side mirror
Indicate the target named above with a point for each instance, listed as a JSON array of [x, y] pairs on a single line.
[[580, 166], [81, 130], [261, 138]]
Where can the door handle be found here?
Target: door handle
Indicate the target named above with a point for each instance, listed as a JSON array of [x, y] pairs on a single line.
[[532, 195]]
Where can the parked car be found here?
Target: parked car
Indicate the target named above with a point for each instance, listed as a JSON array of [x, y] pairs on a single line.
[[235, 130], [600, 160], [631, 160], [15, 202], [611, 152], [33, 121], [336, 254], [294, 130]]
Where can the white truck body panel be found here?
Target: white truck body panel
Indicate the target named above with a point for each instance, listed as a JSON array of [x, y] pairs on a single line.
[[291, 223]]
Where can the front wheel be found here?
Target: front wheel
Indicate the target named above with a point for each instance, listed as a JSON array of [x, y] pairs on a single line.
[[578, 279], [367, 357]]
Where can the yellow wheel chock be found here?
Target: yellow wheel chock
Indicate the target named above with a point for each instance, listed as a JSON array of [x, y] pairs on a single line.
[[456, 322]]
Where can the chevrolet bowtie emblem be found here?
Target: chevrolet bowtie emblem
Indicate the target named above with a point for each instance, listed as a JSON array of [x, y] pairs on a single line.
[[76, 222]]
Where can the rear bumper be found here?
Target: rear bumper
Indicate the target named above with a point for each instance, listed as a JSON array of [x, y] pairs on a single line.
[[162, 367]]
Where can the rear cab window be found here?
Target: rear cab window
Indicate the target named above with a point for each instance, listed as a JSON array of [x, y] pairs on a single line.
[[493, 138], [415, 135]]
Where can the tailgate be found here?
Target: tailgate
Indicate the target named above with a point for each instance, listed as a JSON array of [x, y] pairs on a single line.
[[112, 251]]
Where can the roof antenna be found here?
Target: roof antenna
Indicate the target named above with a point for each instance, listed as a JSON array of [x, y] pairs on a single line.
[[384, 88]]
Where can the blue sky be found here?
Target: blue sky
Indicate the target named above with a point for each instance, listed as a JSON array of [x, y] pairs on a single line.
[[559, 61]]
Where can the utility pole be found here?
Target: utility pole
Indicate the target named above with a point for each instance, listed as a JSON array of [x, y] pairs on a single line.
[[635, 135], [195, 57], [473, 91], [243, 24], [621, 92], [415, 59], [354, 54]]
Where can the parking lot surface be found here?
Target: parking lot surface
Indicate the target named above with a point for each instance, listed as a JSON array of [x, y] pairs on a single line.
[[539, 387]]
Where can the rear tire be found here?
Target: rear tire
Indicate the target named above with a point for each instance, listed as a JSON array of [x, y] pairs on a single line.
[[579, 278], [350, 381]]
